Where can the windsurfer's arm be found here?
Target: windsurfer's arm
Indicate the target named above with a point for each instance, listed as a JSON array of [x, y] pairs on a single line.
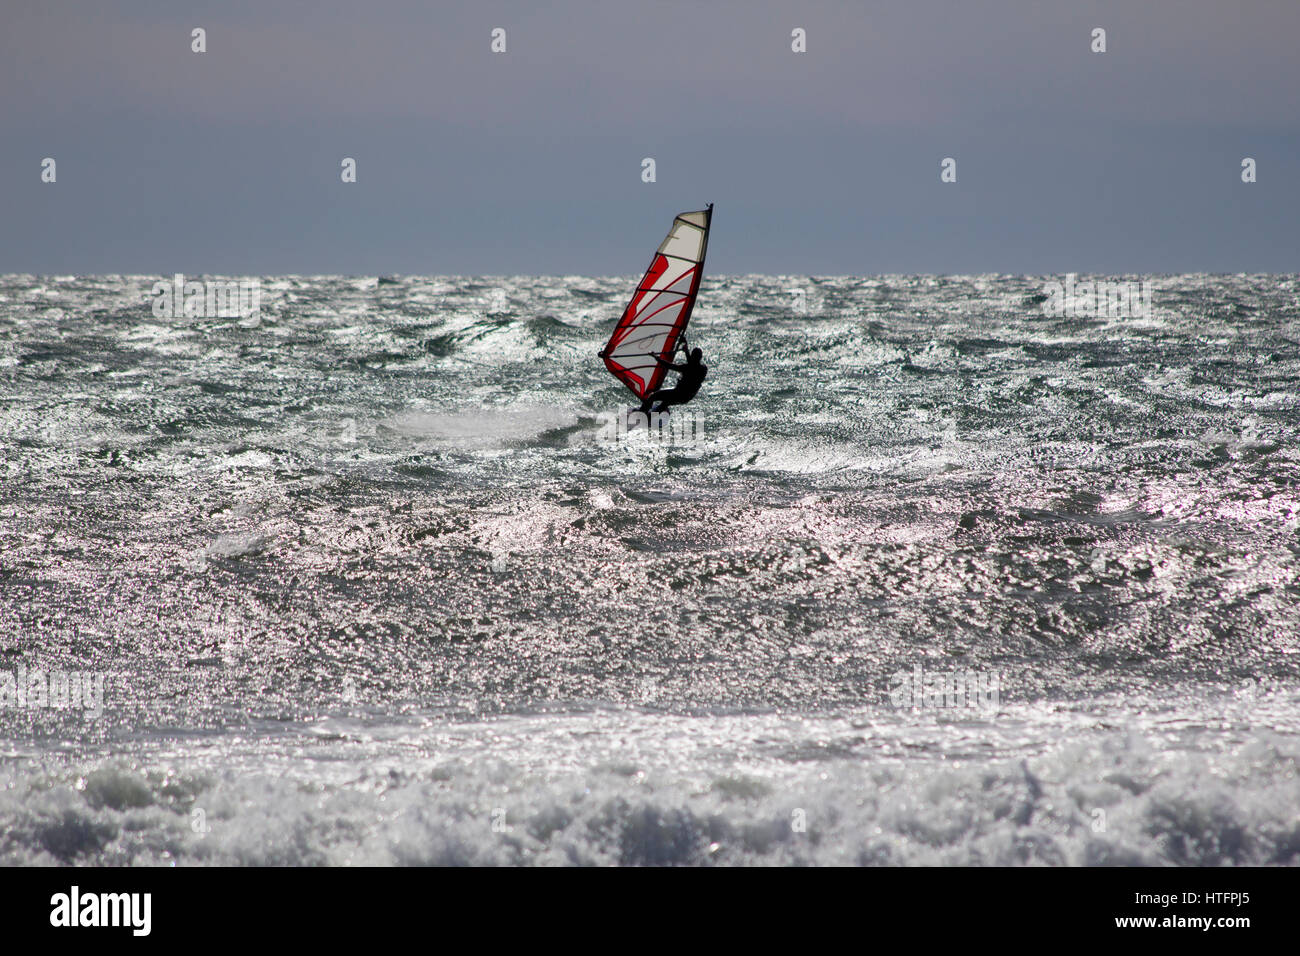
[[669, 365]]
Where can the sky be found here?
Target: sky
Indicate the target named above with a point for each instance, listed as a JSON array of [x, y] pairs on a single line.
[[824, 162]]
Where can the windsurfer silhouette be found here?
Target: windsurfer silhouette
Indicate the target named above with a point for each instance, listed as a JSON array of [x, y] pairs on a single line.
[[691, 373]]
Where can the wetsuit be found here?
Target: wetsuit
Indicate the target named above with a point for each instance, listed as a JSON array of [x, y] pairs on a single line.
[[692, 373]]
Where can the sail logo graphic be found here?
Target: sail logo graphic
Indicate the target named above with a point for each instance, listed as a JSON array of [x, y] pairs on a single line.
[[1100, 299], [683, 426], [206, 298], [54, 690], [960, 690]]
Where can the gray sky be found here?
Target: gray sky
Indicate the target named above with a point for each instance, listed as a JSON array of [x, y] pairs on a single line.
[[825, 162]]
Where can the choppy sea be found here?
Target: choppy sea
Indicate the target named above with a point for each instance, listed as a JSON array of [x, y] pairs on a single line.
[[940, 576]]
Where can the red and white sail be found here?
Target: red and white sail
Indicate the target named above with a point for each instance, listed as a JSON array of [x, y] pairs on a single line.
[[656, 317]]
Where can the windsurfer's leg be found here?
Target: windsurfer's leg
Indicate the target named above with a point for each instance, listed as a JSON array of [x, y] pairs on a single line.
[[668, 401], [663, 396]]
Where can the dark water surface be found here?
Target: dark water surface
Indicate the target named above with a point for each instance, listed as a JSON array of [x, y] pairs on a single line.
[[366, 580]]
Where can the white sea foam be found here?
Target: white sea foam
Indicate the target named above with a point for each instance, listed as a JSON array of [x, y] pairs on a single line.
[[1208, 780], [483, 427]]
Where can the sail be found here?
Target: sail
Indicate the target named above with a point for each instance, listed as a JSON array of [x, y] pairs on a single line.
[[656, 317]]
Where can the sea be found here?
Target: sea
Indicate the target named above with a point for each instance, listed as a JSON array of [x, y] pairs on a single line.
[[952, 570]]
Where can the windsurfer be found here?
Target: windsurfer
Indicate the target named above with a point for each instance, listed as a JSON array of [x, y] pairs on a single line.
[[691, 373]]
